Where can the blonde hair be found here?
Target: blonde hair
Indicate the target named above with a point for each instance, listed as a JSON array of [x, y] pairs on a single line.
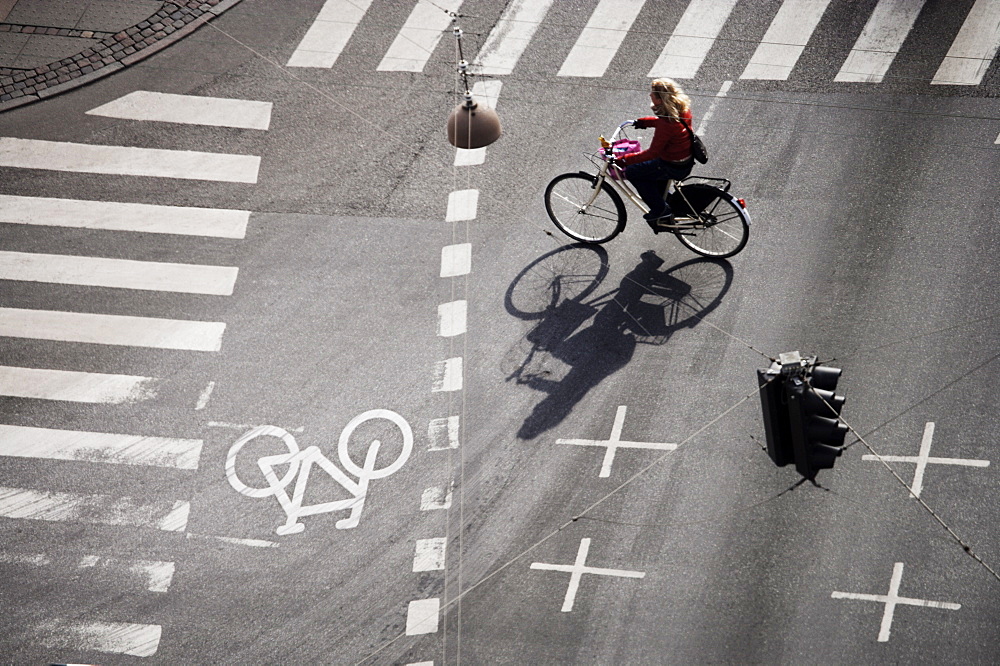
[[672, 102]]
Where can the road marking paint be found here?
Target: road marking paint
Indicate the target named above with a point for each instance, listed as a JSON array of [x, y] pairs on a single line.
[[128, 161], [94, 509], [785, 40], [156, 575], [421, 663], [723, 91], [613, 443], [137, 640], [462, 205], [429, 554], [924, 458], [93, 387], [998, 139], [115, 216], [420, 35], [510, 36], [435, 498], [451, 318], [456, 260], [448, 375], [329, 33], [974, 48], [51, 444], [255, 543], [205, 395], [880, 41], [892, 599], [601, 38], [118, 273], [443, 434], [37, 560], [422, 616], [188, 109], [111, 329], [246, 426], [485, 93], [692, 39], [578, 568]]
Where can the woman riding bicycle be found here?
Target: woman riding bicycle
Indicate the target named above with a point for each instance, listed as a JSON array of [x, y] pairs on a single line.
[[669, 155]]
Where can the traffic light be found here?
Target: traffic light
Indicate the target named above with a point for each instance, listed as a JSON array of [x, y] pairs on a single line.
[[800, 413]]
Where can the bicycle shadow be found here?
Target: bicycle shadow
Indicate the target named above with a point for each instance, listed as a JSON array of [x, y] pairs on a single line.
[[577, 342]]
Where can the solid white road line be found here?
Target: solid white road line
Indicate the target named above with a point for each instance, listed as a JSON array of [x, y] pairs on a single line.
[[128, 161], [601, 38], [456, 260], [329, 33], [137, 640], [429, 554], [785, 40], [451, 318], [420, 35], [92, 387], [118, 273], [511, 36], [101, 447], [485, 93], [27, 504], [448, 375], [462, 205], [880, 41], [692, 39], [443, 434], [115, 216], [974, 47], [105, 329], [188, 110], [422, 616]]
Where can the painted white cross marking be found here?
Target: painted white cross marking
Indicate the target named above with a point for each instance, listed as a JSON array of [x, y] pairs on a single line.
[[924, 458], [578, 568], [893, 599], [615, 442]]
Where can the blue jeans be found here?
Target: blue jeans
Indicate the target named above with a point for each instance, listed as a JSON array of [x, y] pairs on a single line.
[[650, 179]]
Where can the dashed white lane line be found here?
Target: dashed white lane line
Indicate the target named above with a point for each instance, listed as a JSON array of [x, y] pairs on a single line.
[[93, 387], [443, 434], [451, 318], [188, 110], [456, 260], [419, 36], [448, 375], [422, 616], [435, 498], [429, 554], [118, 216], [462, 205], [170, 516], [105, 329], [100, 447], [137, 640]]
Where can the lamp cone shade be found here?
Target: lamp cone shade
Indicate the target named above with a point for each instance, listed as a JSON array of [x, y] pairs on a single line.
[[473, 126]]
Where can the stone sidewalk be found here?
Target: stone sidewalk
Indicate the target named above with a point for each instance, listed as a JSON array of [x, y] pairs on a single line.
[[50, 46]]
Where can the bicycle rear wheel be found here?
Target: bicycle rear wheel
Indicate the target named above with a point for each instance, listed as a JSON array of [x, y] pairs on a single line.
[[582, 213], [722, 229]]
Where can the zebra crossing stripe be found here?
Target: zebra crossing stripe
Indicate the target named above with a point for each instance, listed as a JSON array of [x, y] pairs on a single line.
[[118, 273], [420, 35], [785, 40], [511, 36], [90, 387], [102, 329], [27, 504], [974, 47], [188, 110], [99, 447], [116, 216], [127, 161], [136, 640], [601, 38], [692, 39], [155, 576], [329, 33], [880, 41]]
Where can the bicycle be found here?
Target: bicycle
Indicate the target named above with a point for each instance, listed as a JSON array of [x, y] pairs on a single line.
[[589, 208]]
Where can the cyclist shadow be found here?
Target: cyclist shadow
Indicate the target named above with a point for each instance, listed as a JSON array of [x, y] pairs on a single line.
[[565, 361]]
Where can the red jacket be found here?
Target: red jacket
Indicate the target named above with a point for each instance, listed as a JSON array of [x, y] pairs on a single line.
[[671, 142]]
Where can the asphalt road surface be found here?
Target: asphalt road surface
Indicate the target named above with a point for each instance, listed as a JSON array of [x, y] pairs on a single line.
[[569, 465]]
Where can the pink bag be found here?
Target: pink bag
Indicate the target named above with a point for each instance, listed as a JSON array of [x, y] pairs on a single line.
[[623, 147]]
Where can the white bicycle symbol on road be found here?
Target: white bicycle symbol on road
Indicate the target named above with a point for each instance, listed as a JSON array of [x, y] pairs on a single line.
[[301, 462]]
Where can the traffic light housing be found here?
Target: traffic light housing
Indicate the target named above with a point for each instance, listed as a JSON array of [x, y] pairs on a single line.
[[801, 413]]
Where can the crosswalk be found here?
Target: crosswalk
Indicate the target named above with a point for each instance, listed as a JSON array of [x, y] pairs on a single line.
[[689, 42], [105, 274]]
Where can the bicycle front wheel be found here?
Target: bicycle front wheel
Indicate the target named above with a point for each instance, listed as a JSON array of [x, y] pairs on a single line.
[[583, 212], [721, 229]]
